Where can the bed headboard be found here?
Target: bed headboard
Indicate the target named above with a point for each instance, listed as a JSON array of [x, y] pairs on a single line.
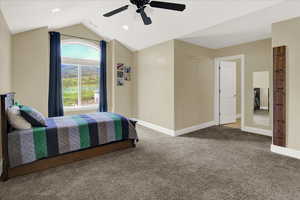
[[6, 100]]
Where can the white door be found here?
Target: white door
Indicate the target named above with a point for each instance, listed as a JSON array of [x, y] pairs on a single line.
[[227, 92]]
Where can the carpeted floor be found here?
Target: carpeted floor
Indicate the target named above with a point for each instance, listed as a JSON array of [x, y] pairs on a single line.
[[211, 164]]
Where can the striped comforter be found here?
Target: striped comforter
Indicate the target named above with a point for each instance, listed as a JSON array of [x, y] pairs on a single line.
[[67, 134]]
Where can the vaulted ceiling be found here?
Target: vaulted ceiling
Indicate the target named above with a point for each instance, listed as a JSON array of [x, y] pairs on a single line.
[[203, 22], [251, 27]]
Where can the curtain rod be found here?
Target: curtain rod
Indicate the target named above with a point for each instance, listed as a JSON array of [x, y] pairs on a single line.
[[80, 37]]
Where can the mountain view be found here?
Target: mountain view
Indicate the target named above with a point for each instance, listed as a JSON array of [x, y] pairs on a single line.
[[80, 90]]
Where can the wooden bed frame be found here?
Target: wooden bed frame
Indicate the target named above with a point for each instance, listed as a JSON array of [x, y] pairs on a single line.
[[7, 100]]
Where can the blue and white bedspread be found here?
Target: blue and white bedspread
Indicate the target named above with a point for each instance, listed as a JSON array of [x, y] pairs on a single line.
[[67, 134]]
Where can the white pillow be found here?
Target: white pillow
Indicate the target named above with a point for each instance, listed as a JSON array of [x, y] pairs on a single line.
[[16, 120]]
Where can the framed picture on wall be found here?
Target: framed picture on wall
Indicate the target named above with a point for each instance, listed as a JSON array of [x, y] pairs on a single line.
[[120, 74], [120, 81], [127, 71], [120, 66]]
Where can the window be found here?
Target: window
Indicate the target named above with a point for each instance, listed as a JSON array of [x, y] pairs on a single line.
[[80, 74]]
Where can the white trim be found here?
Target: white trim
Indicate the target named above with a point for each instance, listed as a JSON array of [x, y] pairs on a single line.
[[156, 127], [82, 62], [66, 40], [81, 108], [285, 151], [258, 131], [264, 108], [174, 133], [195, 128], [134, 119], [216, 97], [79, 88]]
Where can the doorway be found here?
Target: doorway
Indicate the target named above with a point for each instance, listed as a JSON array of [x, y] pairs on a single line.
[[227, 71], [229, 91]]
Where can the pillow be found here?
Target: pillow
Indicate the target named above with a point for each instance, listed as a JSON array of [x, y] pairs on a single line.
[[16, 120], [34, 117]]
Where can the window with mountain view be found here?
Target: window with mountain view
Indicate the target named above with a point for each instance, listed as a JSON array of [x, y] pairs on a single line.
[[80, 75]]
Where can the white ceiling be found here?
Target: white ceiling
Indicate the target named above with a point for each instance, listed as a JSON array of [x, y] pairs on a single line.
[[22, 15], [248, 28]]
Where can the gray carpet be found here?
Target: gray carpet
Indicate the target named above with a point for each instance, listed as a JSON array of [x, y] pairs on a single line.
[[211, 164]]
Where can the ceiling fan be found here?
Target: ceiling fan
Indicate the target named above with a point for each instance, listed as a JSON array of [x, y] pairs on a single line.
[[142, 4]]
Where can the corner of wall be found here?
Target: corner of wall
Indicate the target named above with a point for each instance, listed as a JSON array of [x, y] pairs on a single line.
[[193, 75], [122, 96], [154, 88], [5, 56], [135, 83], [25, 46], [173, 84]]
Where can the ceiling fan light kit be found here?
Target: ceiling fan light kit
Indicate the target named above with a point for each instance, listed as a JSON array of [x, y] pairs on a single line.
[[142, 4]]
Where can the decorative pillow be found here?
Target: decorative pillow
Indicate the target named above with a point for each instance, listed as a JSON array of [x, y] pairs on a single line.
[[34, 117], [16, 120]]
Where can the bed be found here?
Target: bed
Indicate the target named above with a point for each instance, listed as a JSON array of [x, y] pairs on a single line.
[[64, 140]]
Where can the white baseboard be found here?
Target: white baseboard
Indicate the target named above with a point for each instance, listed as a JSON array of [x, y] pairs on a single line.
[[258, 131], [156, 127], [195, 128], [174, 133], [171, 132], [285, 151], [264, 108]]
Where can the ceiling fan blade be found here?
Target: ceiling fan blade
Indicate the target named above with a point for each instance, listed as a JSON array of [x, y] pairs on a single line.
[[167, 5], [147, 20], [109, 14]]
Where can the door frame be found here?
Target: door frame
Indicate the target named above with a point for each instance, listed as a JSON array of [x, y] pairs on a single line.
[[217, 86]]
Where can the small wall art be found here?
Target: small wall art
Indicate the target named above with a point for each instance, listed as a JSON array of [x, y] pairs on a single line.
[[123, 73], [120, 66], [120, 81], [127, 71], [120, 74]]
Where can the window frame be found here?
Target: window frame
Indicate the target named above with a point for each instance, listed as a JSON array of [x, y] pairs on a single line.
[[80, 63]]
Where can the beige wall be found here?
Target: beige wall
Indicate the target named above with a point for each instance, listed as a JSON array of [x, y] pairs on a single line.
[[258, 57], [5, 56], [30, 64], [122, 96], [155, 85], [194, 79], [5, 61], [79, 30], [287, 33], [261, 79], [194, 85], [191, 69]]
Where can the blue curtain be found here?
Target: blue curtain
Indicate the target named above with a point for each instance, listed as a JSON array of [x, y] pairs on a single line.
[[102, 88], [55, 105]]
